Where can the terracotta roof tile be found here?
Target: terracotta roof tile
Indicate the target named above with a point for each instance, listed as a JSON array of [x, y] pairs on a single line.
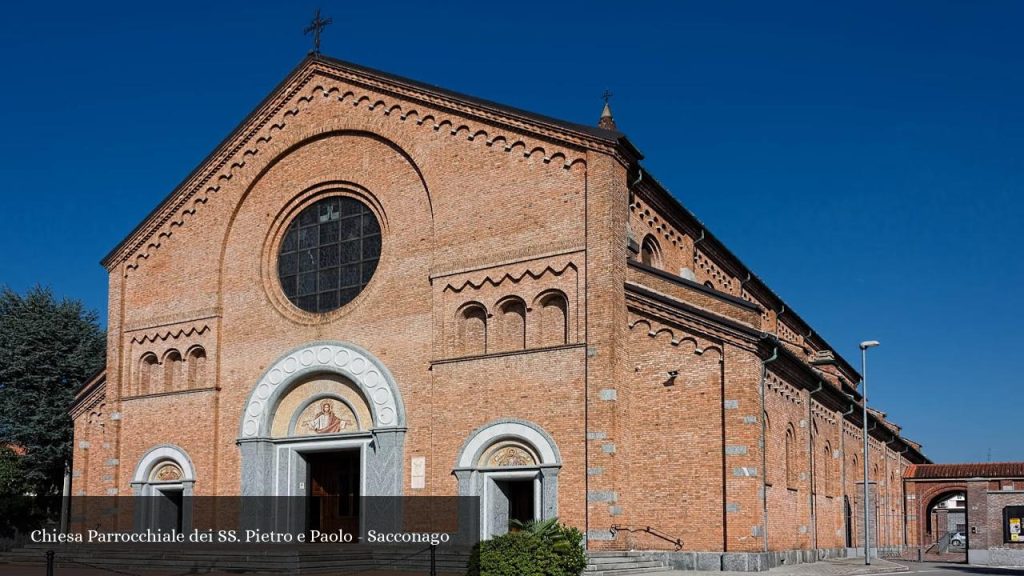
[[982, 470]]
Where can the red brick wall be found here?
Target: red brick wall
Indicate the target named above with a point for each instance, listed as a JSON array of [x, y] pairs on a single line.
[[475, 208]]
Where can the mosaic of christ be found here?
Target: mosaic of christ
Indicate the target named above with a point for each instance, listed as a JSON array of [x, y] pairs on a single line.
[[327, 417]]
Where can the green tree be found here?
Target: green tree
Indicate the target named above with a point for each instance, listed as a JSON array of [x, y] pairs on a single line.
[[11, 476], [48, 348]]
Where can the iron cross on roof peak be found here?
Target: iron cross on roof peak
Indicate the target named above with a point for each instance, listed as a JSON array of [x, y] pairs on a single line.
[[607, 96], [315, 27]]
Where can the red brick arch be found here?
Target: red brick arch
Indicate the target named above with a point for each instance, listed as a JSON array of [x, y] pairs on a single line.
[[925, 495]]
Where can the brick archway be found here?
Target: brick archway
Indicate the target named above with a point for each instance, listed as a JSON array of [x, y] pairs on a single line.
[[927, 495]]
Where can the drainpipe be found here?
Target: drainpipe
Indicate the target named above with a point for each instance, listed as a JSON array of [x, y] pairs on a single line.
[[639, 176], [810, 450], [764, 441], [65, 499], [847, 518], [695, 242], [903, 494]]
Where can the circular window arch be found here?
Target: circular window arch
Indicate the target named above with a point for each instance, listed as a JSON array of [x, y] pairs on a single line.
[[329, 253]]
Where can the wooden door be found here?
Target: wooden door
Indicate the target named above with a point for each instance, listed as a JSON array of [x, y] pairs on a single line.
[[334, 488]]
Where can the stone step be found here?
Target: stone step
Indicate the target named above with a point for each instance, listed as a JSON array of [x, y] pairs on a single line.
[[605, 566], [622, 563], [612, 559], [629, 571], [242, 561]]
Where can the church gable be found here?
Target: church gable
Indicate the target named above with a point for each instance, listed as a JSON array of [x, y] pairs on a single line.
[[476, 203], [271, 129]]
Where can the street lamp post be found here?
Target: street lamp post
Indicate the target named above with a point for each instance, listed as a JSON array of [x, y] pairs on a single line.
[[864, 403]]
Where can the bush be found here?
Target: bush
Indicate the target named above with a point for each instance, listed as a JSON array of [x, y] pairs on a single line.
[[539, 549]]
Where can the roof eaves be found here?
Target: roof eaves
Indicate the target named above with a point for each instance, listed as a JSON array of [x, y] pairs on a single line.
[[721, 248], [609, 136]]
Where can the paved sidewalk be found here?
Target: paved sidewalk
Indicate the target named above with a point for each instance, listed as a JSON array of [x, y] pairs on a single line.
[[839, 567]]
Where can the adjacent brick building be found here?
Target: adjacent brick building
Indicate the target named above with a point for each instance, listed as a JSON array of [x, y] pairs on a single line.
[[994, 506], [450, 296]]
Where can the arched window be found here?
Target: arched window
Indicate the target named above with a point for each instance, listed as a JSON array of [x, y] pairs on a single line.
[[710, 284], [329, 253], [826, 470], [511, 325], [144, 375], [196, 368], [172, 371], [472, 330], [650, 252], [553, 327], [791, 472]]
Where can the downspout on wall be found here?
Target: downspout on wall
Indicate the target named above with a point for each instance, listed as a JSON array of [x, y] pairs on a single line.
[[764, 444], [812, 465]]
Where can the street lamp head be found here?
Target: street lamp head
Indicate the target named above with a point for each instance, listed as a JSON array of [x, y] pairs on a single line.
[[868, 344]]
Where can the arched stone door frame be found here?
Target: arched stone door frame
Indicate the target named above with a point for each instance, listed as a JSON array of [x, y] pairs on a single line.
[[478, 479], [149, 480], [275, 466]]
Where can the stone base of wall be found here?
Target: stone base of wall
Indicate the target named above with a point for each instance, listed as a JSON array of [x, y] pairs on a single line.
[[738, 561], [996, 557], [883, 552]]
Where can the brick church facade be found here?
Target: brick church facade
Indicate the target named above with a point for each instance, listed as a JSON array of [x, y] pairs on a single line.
[[382, 287]]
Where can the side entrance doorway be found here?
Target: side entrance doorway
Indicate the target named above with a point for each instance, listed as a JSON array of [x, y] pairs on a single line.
[[513, 499]]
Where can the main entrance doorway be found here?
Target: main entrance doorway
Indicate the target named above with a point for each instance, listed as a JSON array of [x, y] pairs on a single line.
[[334, 491]]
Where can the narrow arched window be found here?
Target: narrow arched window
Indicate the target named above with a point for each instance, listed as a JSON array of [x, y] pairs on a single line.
[[650, 252], [172, 371], [511, 325], [471, 333], [144, 374], [791, 472], [196, 368], [553, 327], [826, 470]]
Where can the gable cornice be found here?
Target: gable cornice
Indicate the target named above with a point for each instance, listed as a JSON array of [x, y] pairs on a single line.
[[243, 142]]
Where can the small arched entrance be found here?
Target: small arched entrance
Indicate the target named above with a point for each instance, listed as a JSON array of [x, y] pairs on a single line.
[[512, 466], [944, 522], [937, 514], [166, 476]]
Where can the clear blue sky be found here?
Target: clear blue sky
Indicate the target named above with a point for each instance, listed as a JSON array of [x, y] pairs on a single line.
[[865, 160]]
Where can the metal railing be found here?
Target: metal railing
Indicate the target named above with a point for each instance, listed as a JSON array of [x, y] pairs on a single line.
[[945, 542], [677, 542]]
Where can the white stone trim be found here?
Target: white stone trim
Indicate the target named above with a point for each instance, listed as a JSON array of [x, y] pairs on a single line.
[[501, 430], [352, 362], [160, 454]]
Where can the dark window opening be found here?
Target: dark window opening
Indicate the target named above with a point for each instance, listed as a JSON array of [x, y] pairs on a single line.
[[1013, 524], [329, 253]]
